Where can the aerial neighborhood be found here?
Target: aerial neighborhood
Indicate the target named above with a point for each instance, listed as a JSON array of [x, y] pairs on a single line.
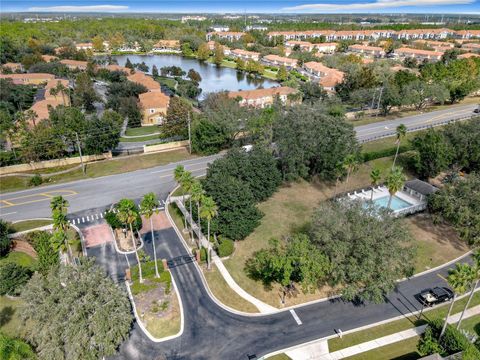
[[284, 182]]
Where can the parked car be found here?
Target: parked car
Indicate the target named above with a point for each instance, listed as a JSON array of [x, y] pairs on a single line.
[[437, 295], [477, 110]]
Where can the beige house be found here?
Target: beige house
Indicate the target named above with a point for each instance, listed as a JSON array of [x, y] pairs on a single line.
[[418, 54], [245, 55], [276, 60], [261, 98], [74, 64], [29, 79], [326, 76], [372, 51], [154, 107], [167, 46]]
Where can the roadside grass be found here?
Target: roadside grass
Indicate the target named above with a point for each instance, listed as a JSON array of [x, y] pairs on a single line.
[[279, 357], [472, 325], [18, 258], [101, 168], [406, 323], [224, 293], [10, 322], [143, 130], [29, 224], [139, 139], [402, 350], [387, 143]]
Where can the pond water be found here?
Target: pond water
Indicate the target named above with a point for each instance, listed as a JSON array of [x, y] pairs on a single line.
[[214, 78]]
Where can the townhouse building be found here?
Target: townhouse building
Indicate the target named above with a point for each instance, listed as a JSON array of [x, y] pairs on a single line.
[[326, 76], [74, 64], [436, 45], [226, 35], [167, 46], [275, 60], [28, 79], [325, 48], [154, 106], [418, 54], [475, 47], [260, 98], [370, 51], [245, 55]]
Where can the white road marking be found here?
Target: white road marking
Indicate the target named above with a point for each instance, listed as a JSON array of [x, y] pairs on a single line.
[[88, 219], [96, 216], [101, 215], [295, 316], [73, 222], [10, 213], [83, 219]]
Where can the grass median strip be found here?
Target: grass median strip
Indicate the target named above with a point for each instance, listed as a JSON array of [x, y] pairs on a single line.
[[29, 224]]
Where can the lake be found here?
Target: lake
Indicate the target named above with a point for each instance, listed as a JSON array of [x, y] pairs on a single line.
[[214, 78]]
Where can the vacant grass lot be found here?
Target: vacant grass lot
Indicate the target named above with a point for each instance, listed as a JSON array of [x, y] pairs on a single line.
[[102, 168], [291, 207], [19, 258]]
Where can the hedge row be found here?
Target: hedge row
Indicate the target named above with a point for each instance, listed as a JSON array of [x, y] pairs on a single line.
[[373, 155]]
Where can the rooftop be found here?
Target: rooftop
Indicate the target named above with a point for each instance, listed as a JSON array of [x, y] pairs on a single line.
[[261, 93], [421, 187], [153, 100]]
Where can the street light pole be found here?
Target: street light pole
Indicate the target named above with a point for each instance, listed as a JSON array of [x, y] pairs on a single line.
[[189, 134], [80, 152]]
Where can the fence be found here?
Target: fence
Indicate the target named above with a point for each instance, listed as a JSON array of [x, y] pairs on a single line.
[[417, 128]]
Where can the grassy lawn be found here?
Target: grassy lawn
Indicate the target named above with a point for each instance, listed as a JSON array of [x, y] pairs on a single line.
[[167, 325], [269, 74], [387, 143], [29, 224], [229, 64], [402, 350], [225, 294], [398, 325], [19, 258], [144, 130], [279, 357], [472, 325], [140, 139], [168, 82], [102, 168], [10, 322]]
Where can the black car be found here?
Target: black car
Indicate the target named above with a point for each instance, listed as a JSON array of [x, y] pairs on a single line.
[[437, 295]]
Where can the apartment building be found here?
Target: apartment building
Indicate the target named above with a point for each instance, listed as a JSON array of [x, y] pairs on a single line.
[[167, 46], [145, 80], [41, 108], [325, 48], [418, 54], [84, 46], [62, 97], [371, 51], [275, 60], [74, 64], [154, 107], [245, 55], [467, 34], [226, 35], [261, 98], [28, 79], [475, 47], [436, 45], [327, 77]]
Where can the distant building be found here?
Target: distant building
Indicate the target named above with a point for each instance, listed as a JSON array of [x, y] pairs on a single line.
[[74, 64], [28, 79], [276, 60], [226, 35], [261, 98], [436, 45], [372, 51], [219, 28], [41, 107], [84, 46], [193, 18], [129, 48], [326, 48], [256, 28], [154, 107], [418, 54], [167, 46], [245, 55], [471, 47], [49, 58], [326, 76], [12, 67], [468, 56], [145, 80]]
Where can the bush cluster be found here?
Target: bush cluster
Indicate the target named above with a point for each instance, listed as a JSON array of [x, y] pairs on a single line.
[[225, 247]]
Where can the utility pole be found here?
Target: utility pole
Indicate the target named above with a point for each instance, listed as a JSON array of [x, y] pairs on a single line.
[[189, 134], [80, 152], [379, 98]]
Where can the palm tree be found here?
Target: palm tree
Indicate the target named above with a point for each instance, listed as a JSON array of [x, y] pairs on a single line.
[[178, 173], [197, 193], [350, 164], [59, 203], [61, 226], [14, 349], [149, 207], [401, 132], [474, 284], [459, 280], [127, 213], [209, 211], [394, 182], [187, 182], [60, 89], [375, 177]]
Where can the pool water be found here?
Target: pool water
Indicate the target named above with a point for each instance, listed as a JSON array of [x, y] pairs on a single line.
[[396, 204]]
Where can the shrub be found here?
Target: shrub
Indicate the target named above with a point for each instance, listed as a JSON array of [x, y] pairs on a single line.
[[13, 277], [46, 254], [4, 239], [225, 247], [36, 180], [112, 219], [203, 254], [372, 155]]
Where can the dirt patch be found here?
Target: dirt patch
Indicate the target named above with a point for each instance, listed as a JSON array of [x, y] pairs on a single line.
[[124, 240], [160, 222], [24, 247]]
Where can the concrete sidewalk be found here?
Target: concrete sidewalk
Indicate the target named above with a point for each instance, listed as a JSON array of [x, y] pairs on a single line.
[[319, 350], [260, 305]]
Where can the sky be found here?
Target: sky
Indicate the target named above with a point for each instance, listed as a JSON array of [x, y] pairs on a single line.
[[249, 6]]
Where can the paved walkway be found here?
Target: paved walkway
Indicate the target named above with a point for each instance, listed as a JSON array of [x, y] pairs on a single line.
[[319, 350], [260, 305]]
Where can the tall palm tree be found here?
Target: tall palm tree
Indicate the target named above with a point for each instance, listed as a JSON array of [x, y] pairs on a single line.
[[60, 89], [187, 181], [149, 207], [61, 226], [127, 213], [197, 193], [350, 164], [474, 284], [208, 212], [459, 280], [401, 132], [375, 177], [59, 203], [394, 182], [178, 173]]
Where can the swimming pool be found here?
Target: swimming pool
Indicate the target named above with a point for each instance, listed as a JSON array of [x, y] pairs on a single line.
[[396, 204]]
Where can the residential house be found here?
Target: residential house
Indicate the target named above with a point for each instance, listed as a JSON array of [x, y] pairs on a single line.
[[74, 64], [154, 107], [226, 35], [245, 55], [471, 47], [167, 46], [256, 28], [123, 69], [275, 60], [84, 46], [12, 67], [468, 56], [28, 79], [49, 58], [327, 77], [418, 54], [371, 51], [129, 48], [436, 45], [145, 80], [261, 98]]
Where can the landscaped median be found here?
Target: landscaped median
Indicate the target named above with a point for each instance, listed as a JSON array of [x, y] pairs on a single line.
[[156, 302]]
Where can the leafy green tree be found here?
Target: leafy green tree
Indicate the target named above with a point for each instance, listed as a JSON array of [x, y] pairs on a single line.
[[208, 137], [13, 277], [218, 55], [15, 349], [4, 239], [97, 43], [297, 261], [149, 206], [194, 76], [434, 153], [282, 74], [102, 134], [61, 225], [178, 113], [464, 138], [63, 91], [400, 133], [312, 92], [394, 182], [84, 94], [128, 64], [420, 93], [368, 249], [459, 279], [127, 213], [154, 71], [47, 256], [90, 319], [375, 177], [473, 285], [187, 181], [208, 211], [203, 52]]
